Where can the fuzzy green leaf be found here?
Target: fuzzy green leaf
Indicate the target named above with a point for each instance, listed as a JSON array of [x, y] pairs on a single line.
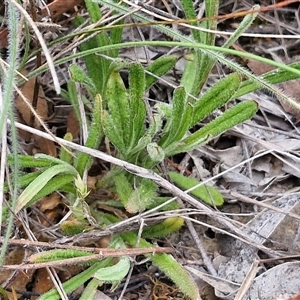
[[142, 196], [190, 72], [180, 119], [64, 155], [155, 152], [159, 67], [177, 147], [78, 75], [275, 76], [97, 66], [137, 106], [165, 228], [118, 106], [123, 187], [56, 254], [141, 144], [169, 266], [114, 273], [112, 132], [231, 117], [207, 193], [28, 161], [215, 97], [73, 99], [76, 281], [83, 161], [242, 27]]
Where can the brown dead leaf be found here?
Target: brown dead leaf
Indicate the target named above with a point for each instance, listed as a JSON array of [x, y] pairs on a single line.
[[45, 146], [19, 282], [52, 209], [73, 125], [58, 7], [24, 111], [290, 88], [25, 116], [42, 283], [50, 202]]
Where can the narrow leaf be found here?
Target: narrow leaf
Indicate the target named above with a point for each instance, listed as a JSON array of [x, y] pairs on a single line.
[[83, 161], [28, 161], [169, 266], [137, 105], [56, 254], [118, 105], [64, 155], [112, 132], [207, 193], [123, 187], [180, 118], [215, 97], [165, 228], [231, 117], [159, 67], [78, 75], [76, 281], [38, 184], [242, 27]]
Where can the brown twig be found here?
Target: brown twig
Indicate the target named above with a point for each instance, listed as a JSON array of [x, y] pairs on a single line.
[[96, 253]]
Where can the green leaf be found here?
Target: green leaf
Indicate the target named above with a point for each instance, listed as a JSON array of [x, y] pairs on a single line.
[[168, 265], [207, 193], [242, 27], [114, 273], [56, 254], [24, 180], [136, 104], [97, 66], [57, 183], [118, 106], [190, 13], [112, 132], [142, 196], [218, 95], [83, 161], [78, 75], [275, 76], [155, 152], [161, 200], [72, 97], [74, 226], [231, 117], [27, 196], [165, 228], [180, 119], [123, 187], [91, 290], [64, 155], [76, 281], [141, 144], [180, 146], [155, 125], [159, 67], [28, 161]]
